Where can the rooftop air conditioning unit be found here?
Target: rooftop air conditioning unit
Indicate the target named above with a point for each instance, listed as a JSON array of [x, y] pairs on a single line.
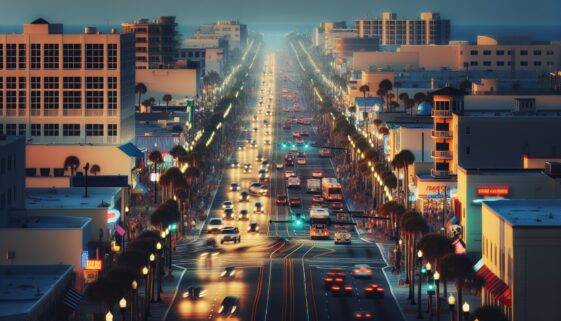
[[553, 169]]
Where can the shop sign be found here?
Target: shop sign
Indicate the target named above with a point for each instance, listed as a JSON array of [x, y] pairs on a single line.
[[93, 265], [85, 257], [90, 276], [493, 190]]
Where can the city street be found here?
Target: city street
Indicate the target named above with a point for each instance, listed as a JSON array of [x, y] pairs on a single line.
[[279, 270]]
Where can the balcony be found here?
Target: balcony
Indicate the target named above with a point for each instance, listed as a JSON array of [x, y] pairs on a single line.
[[444, 113], [439, 173], [441, 134], [444, 154]]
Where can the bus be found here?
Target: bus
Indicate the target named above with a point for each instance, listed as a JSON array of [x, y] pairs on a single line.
[[319, 223], [331, 189]]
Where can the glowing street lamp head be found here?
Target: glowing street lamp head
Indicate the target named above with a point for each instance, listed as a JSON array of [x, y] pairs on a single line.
[[145, 271]]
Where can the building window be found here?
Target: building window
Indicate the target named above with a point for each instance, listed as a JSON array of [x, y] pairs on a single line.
[[72, 83], [71, 130], [35, 56], [11, 129], [473, 63], [35, 99], [474, 52], [94, 99], [50, 56], [500, 63], [11, 54], [486, 63], [50, 130], [35, 129], [94, 82], [112, 56], [112, 130], [21, 130], [35, 82], [50, 99], [21, 99], [523, 52], [50, 83], [72, 56], [94, 56], [112, 99], [537, 63], [537, 52], [111, 82], [72, 99], [523, 63], [1, 129], [21, 56], [11, 98], [500, 52], [549, 53], [468, 150], [486, 52], [94, 129], [1, 56]]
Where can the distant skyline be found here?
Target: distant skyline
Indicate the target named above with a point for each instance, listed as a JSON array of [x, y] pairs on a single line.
[[281, 13]]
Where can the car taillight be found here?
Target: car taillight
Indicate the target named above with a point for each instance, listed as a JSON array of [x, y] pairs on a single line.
[[335, 288], [348, 288], [328, 280], [380, 290], [338, 280], [368, 315], [358, 315], [368, 289]]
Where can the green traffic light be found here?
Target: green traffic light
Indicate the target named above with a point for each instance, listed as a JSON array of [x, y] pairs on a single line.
[[293, 145], [423, 270], [283, 145]]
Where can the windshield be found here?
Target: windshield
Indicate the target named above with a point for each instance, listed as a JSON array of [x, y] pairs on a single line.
[[229, 232], [335, 190]]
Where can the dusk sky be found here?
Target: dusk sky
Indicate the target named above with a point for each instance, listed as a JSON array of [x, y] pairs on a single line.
[[497, 12]]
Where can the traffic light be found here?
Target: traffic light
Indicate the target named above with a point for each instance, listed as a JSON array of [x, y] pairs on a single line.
[[283, 145], [298, 217], [307, 145], [423, 270], [173, 227]]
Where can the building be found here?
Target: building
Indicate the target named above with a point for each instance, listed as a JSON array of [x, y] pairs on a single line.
[[208, 43], [58, 88], [179, 83], [156, 42], [12, 175], [233, 32], [521, 252], [344, 47], [161, 129], [430, 29], [203, 59], [37, 292], [337, 33], [483, 185]]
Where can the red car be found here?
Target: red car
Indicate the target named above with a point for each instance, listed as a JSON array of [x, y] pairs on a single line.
[[324, 152], [317, 199], [295, 201], [305, 122], [334, 277], [363, 315], [337, 205], [342, 289], [281, 200], [297, 109], [374, 290]]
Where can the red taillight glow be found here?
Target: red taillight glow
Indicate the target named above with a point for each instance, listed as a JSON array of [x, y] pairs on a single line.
[[358, 315], [328, 280], [335, 288], [368, 289], [368, 315], [348, 288], [380, 290], [338, 280]]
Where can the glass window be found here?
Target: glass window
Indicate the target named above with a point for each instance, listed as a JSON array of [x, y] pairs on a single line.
[[473, 63], [94, 99], [112, 99], [35, 99], [94, 129], [21, 130], [35, 129], [500, 63], [72, 99], [11, 129], [1, 56], [50, 82], [474, 52], [72, 83], [94, 56], [112, 130], [500, 52], [94, 82], [11, 99], [50, 99], [112, 82], [523, 63], [537, 52], [112, 56], [486, 63], [537, 63], [11, 53], [21, 99], [50, 130], [35, 82], [72, 56], [21, 56], [486, 52], [71, 130], [50, 56], [35, 56], [523, 52]]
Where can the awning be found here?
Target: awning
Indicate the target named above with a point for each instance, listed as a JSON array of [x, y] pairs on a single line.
[[73, 298], [495, 286], [131, 150], [139, 188]]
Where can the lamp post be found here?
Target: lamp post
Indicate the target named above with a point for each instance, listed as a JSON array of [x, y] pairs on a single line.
[[428, 268], [159, 271], [123, 307], [145, 271], [125, 223], [152, 276], [465, 309], [436, 277], [419, 307], [168, 232], [451, 304], [109, 316], [134, 301]]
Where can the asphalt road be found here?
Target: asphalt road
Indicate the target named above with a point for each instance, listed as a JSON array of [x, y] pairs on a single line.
[[279, 271]]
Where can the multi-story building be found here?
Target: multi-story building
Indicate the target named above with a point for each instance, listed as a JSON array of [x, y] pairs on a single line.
[[12, 175], [58, 88], [321, 33], [344, 47], [430, 29], [203, 59], [337, 33], [233, 32], [156, 42]]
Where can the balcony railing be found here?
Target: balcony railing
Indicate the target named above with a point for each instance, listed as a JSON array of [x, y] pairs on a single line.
[[441, 134], [439, 173], [441, 113], [446, 154]]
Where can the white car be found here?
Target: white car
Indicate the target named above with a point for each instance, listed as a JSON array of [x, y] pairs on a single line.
[[301, 160], [215, 224], [280, 165], [362, 271], [230, 234], [258, 188], [227, 205], [342, 238]]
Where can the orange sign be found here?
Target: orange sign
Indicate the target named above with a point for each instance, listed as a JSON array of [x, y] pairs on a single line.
[[93, 265], [493, 190]]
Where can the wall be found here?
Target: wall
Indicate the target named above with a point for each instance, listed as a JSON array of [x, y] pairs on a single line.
[[179, 83], [12, 174], [97, 215], [387, 60], [435, 57]]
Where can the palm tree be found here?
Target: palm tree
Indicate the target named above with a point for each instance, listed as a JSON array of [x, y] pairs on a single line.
[[419, 97], [104, 290], [95, 169], [352, 110], [385, 88], [147, 104], [435, 247], [465, 85], [403, 97], [167, 98], [364, 89], [459, 268], [414, 226], [408, 104], [488, 313], [140, 89], [397, 164], [156, 158], [178, 152], [408, 159], [71, 163]]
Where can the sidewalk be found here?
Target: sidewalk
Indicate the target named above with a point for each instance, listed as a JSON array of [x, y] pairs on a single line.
[[159, 311]]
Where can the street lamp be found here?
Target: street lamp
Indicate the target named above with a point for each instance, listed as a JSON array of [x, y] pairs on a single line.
[[419, 307], [152, 271], [145, 271], [436, 277], [451, 304], [109, 316], [159, 271], [123, 306], [134, 301], [465, 309]]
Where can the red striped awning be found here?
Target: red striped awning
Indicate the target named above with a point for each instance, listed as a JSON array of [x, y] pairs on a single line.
[[495, 286]]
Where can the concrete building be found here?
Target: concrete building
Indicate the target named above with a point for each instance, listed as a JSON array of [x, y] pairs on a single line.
[[430, 28], [58, 88], [344, 47], [334, 34], [479, 185], [233, 32], [179, 83], [321, 33], [156, 42], [203, 59], [209, 43], [521, 252], [162, 129], [12, 175], [37, 292]]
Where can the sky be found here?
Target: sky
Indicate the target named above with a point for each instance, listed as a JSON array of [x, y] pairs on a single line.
[[282, 13]]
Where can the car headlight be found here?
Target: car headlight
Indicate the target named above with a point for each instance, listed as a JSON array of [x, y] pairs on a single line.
[[223, 274], [221, 309], [234, 308]]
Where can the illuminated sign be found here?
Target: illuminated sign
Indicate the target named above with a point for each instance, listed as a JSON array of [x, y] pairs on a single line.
[[493, 190], [85, 257], [113, 215], [93, 265]]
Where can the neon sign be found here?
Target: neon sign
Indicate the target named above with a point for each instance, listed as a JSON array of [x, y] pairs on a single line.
[[94, 265], [493, 190], [113, 215]]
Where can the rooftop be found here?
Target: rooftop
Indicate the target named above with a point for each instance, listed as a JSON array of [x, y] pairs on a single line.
[[7, 140], [528, 213], [72, 197], [448, 91], [48, 222], [23, 287], [411, 125], [507, 113], [502, 172], [429, 177]]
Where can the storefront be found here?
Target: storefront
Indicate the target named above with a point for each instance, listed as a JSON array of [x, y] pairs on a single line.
[[434, 196]]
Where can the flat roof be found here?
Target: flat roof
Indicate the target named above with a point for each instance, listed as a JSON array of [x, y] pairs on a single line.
[[508, 113], [50, 222], [429, 177], [19, 284], [7, 140], [412, 125], [70, 197], [502, 172], [528, 213]]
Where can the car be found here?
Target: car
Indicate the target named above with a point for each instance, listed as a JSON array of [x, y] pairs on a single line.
[[293, 182], [244, 196], [299, 141], [337, 205], [286, 109], [215, 224], [234, 186], [269, 113], [305, 133], [259, 158], [317, 173], [234, 163], [227, 204], [288, 162], [295, 134], [363, 315], [324, 152], [230, 305], [374, 291], [255, 129], [247, 168], [258, 188], [294, 149], [267, 133], [342, 289], [362, 271], [295, 201], [334, 276], [301, 160], [194, 292], [281, 200], [228, 214], [230, 234], [228, 272], [342, 237], [280, 165], [244, 215], [259, 111], [254, 118], [241, 147], [253, 227], [317, 199], [263, 176], [253, 144], [267, 142], [297, 109], [288, 174], [305, 121], [258, 207], [265, 164]]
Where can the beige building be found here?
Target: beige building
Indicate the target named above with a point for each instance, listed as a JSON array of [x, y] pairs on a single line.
[[179, 83], [58, 88], [156, 42], [391, 31], [385, 61], [231, 31], [521, 257], [370, 78]]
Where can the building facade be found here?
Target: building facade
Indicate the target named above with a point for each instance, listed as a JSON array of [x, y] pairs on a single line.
[[233, 31], [156, 42], [58, 88], [12, 175], [391, 31]]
